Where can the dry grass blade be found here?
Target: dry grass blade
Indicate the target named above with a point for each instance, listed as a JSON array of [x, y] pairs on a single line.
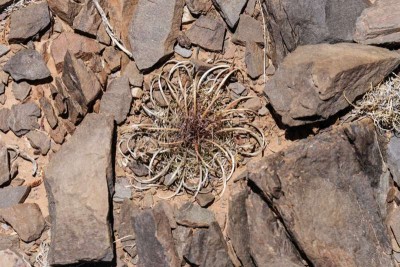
[[196, 134]]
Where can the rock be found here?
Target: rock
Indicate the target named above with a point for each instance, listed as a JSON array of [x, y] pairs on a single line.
[[254, 59], [80, 80], [116, 101], [205, 200], [2, 89], [3, 99], [26, 219], [10, 196], [154, 242], [323, 190], [112, 58], [165, 207], [28, 21], [393, 222], [88, 20], [305, 89], [39, 141], [139, 169], [187, 16], [253, 104], [20, 65], [137, 92], [379, 24], [393, 158], [182, 237], [193, 215], [80, 211], [290, 24], [4, 50], [230, 10], [4, 164], [248, 30], [58, 134], [66, 10], [122, 190], [183, 52], [8, 242], [9, 258], [197, 7], [48, 111], [133, 74], [5, 3], [23, 118], [4, 114], [208, 33], [125, 229], [184, 41], [208, 248], [153, 31], [250, 7], [21, 90]]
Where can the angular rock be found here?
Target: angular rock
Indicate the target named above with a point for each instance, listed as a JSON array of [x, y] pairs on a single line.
[[39, 141], [113, 58], [230, 10], [79, 211], [393, 158], [4, 114], [125, 229], [133, 74], [193, 215], [28, 22], [205, 200], [88, 20], [21, 90], [66, 10], [23, 118], [117, 100], [9, 258], [379, 24], [182, 237], [254, 59], [296, 23], [20, 65], [122, 190], [153, 31], [165, 207], [208, 33], [208, 248], [305, 89], [197, 7], [183, 52], [137, 92], [48, 111], [323, 189], [4, 164], [248, 30], [8, 242], [26, 219], [10, 195], [80, 80], [4, 50], [80, 46], [5, 3], [154, 241]]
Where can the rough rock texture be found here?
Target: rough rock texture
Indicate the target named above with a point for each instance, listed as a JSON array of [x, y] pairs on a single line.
[[21, 90], [230, 10], [4, 114], [23, 118], [393, 158], [154, 241], [88, 19], [39, 141], [305, 89], [198, 7], [67, 10], [9, 258], [379, 24], [254, 59], [324, 190], [28, 22], [248, 30], [133, 74], [26, 219], [208, 33], [292, 23], [48, 111], [153, 31], [10, 196], [79, 211], [20, 65], [5, 3], [193, 215], [116, 101], [4, 164], [4, 49], [125, 227]]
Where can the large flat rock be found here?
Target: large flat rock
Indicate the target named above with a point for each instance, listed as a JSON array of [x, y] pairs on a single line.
[[78, 181], [310, 83], [324, 191]]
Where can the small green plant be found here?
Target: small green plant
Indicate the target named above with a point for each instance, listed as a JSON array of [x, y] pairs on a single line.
[[192, 132]]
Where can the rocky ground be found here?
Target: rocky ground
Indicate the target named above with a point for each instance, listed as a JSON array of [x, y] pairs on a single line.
[[74, 76]]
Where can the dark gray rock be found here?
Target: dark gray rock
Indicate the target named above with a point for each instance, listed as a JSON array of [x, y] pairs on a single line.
[[193, 215], [40, 141], [305, 89], [182, 237], [9, 258], [88, 19], [79, 211], [122, 190], [28, 21], [183, 52], [117, 100], [154, 241], [139, 169], [230, 10], [21, 90], [208, 33], [26, 219], [324, 191], [48, 112], [133, 74], [296, 23], [205, 200], [10, 195], [4, 50], [4, 164], [4, 114], [66, 10], [169, 211], [153, 31], [125, 229], [254, 59], [379, 24], [248, 30], [23, 118], [393, 158], [20, 65]]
